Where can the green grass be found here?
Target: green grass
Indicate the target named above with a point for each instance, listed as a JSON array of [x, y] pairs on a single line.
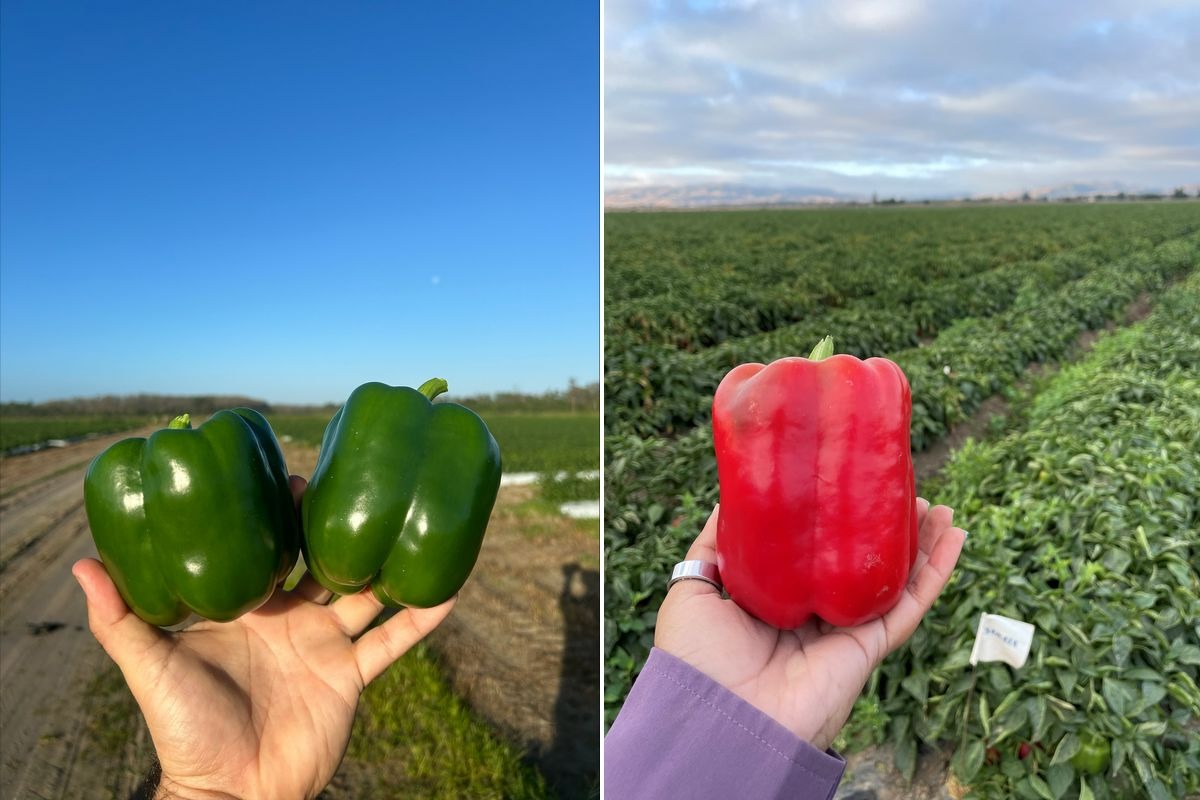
[[528, 442], [412, 738], [421, 741], [16, 431]]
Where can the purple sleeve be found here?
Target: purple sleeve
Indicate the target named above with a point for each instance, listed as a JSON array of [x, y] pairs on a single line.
[[681, 734]]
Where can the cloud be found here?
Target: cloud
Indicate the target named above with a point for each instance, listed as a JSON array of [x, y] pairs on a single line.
[[911, 97]]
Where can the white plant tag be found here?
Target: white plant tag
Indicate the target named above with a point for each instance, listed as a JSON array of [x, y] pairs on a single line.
[[1002, 639]]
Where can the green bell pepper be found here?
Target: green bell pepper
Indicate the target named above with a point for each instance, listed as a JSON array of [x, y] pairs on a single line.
[[1093, 755], [194, 520], [401, 495]]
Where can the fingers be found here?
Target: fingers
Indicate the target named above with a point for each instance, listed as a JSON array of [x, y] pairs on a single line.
[[310, 590], [297, 485], [126, 638], [704, 548], [936, 521], [354, 612], [926, 582], [380, 647], [922, 510]]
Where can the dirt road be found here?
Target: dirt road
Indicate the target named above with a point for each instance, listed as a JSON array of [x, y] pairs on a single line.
[[522, 646], [47, 656]]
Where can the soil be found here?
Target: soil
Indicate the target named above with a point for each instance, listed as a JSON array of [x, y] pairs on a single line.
[[48, 658], [522, 646]]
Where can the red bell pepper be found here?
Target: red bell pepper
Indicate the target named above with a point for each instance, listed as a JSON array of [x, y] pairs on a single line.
[[818, 495]]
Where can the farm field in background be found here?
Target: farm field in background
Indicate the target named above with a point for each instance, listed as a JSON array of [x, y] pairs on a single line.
[[528, 442], [19, 430], [1097, 545], [462, 726]]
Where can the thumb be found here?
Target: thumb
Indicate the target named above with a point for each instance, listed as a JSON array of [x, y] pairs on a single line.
[[126, 638]]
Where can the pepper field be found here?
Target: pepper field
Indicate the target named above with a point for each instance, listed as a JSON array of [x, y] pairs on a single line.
[[1053, 353]]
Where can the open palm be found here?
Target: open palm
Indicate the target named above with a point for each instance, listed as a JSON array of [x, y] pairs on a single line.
[[261, 707], [807, 679]]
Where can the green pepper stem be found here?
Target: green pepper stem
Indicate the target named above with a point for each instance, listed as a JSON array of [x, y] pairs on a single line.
[[823, 350], [182, 422], [433, 387]]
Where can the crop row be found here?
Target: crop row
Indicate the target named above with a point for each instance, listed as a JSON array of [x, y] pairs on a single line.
[[659, 490], [656, 390], [690, 281], [16, 431], [528, 442], [1086, 522]]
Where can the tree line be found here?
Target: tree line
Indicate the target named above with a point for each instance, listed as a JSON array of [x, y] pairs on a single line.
[[575, 398]]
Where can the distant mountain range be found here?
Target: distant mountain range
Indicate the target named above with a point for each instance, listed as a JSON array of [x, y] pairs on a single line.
[[728, 194]]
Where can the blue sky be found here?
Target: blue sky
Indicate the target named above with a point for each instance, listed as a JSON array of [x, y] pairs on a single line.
[[287, 200], [907, 98]]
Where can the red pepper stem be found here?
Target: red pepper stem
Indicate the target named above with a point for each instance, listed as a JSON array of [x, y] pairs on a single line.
[[823, 350], [433, 387], [182, 422]]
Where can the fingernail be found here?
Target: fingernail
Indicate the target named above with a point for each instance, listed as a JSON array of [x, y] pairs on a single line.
[[966, 534]]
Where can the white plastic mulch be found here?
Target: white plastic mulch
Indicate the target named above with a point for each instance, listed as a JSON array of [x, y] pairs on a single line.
[[581, 509], [526, 478], [576, 509]]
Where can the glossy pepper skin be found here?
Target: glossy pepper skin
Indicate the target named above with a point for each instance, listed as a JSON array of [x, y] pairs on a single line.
[[194, 520], [818, 494], [401, 495]]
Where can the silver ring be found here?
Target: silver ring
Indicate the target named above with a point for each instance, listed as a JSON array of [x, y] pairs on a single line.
[[696, 571]]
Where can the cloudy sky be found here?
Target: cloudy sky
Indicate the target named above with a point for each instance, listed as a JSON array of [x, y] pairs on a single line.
[[913, 98]]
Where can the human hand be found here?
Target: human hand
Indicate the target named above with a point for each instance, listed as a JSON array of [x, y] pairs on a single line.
[[261, 707], [807, 679]]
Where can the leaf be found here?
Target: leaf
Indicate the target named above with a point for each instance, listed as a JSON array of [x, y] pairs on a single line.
[[1117, 695], [1142, 767], [1060, 777], [1068, 746], [1038, 717], [1085, 791], [1152, 728], [968, 760], [1024, 788], [1158, 791], [917, 684], [1068, 679], [905, 758], [900, 725], [1121, 648], [1006, 703], [1119, 751], [1041, 787], [1152, 694], [1189, 654]]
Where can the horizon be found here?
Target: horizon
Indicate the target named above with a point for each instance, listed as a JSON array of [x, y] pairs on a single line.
[[449, 395], [735, 196]]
